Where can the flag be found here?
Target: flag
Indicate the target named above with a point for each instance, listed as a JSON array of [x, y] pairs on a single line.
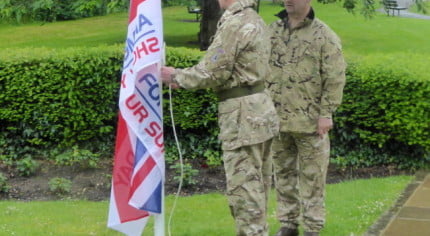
[[138, 175]]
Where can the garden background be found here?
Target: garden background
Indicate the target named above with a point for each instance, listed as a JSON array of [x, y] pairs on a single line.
[[58, 103]]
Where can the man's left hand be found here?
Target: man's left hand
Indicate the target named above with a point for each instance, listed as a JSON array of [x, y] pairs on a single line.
[[324, 125]]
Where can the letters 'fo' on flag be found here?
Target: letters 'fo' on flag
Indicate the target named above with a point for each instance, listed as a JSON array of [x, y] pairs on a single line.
[[138, 175]]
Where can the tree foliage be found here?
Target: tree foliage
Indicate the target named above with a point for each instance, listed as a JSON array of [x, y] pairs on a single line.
[[18, 11]]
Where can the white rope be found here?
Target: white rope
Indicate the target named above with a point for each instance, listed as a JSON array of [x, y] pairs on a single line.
[[180, 161]]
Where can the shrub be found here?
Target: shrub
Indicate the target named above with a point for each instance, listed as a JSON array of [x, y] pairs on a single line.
[[5, 161], [213, 158], [26, 166], [181, 3], [75, 156], [60, 186], [385, 112], [51, 98], [4, 187], [69, 98], [188, 176], [53, 10], [384, 101]]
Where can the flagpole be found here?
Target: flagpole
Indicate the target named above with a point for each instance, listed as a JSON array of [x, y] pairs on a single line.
[[159, 219], [159, 222]]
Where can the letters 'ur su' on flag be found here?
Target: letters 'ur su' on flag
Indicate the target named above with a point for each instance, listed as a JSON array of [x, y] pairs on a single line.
[[138, 175]]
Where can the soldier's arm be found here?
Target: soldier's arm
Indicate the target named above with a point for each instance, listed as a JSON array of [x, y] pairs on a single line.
[[332, 74], [216, 65]]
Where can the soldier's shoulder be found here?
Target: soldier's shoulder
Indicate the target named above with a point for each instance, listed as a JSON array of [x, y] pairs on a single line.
[[248, 22], [324, 30], [234, 23], [252, 17]]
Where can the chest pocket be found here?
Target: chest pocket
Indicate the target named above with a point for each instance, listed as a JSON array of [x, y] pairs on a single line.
[[308, 63]]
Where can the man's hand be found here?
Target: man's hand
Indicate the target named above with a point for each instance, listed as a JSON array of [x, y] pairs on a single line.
[[324, 125], [166, 76]]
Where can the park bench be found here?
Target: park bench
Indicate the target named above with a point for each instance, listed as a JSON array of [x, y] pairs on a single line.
[[195, 10], [392, 5]]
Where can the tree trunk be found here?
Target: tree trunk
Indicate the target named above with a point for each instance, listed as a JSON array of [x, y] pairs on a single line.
[[211, 13], [208, 23]]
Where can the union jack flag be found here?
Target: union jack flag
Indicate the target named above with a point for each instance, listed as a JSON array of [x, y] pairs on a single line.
[[138, 175]]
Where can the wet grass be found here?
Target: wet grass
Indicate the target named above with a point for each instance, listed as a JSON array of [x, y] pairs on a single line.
[[352, 207], [382, 34]]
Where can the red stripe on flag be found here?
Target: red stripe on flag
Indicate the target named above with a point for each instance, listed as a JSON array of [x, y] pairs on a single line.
[[142, 173], [123, 169], [133, 9]]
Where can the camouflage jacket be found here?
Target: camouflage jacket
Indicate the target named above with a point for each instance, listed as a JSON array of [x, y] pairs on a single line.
[[308, 72], [238, 56]]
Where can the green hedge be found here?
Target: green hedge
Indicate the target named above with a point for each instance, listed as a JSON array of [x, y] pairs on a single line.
[[51, 98], [385, 114], [387, 97], [68, 97], [61, 98]]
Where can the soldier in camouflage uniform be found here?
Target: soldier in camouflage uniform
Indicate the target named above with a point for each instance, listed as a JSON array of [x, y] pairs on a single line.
[[235, 66], [308, 76]]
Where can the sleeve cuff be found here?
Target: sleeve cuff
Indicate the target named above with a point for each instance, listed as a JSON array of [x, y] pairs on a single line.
[[326, 114], [174, 77]]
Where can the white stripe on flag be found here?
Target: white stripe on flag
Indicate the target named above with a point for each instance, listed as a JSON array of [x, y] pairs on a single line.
[[145, 189]]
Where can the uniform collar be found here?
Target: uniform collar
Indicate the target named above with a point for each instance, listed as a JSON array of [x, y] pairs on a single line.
[[283, 15]]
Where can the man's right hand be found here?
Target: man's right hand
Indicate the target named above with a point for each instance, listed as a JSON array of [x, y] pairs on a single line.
[[324, 125], [166, 76]]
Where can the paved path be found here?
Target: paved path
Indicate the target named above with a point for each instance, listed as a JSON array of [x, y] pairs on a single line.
[[413, 15], [411, 216], [406, 14]]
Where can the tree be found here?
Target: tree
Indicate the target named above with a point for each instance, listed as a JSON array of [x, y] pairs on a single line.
[[57, 10], [211, 13]]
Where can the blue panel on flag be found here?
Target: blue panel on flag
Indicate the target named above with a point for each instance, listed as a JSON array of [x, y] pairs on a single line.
[[140, 151], [153, 204]]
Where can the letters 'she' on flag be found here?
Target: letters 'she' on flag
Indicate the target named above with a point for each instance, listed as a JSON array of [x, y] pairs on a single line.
[[138, 175]]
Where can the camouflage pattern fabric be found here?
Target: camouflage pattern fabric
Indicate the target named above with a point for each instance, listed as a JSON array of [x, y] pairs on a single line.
[[300, 164], [239, 57], [308, 76], [249, 171], [308, 73]]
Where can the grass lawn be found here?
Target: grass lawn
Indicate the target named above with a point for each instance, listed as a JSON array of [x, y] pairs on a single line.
[[352, 207], [87, 32], [365, 36], [382, 34]]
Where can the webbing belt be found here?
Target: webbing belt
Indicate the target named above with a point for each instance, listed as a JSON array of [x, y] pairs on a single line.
[[240, 91]]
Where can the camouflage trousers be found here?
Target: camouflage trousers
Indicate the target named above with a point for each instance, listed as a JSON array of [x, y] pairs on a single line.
[[300, 166], [248, 172]]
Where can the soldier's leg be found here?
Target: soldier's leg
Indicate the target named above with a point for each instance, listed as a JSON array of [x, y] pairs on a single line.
[[285, 167], [267, 168], [246, 189], [313, 155]]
